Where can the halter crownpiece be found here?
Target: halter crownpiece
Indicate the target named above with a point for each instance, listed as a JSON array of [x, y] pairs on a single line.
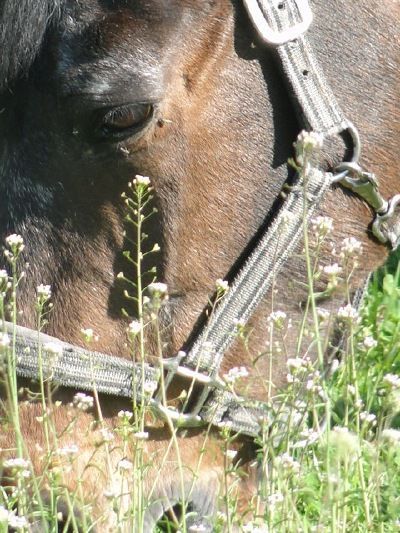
[[283, 25]]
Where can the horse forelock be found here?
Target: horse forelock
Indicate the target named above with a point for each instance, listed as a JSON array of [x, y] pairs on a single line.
[[23, 24]]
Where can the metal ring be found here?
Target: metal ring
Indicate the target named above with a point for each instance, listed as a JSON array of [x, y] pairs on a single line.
[[355, 137]]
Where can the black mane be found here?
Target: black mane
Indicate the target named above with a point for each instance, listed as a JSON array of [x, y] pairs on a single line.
[[23, 24]]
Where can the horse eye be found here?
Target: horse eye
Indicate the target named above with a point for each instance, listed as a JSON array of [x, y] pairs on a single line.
[[123, 121]]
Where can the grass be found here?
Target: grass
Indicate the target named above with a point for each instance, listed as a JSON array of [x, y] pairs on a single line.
[[329, 462]]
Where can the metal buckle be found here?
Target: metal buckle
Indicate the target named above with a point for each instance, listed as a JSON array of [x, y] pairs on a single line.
[[273, 37]]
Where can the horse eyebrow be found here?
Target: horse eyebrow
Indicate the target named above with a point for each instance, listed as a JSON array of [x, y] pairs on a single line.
[[23, 25], [143, 78]]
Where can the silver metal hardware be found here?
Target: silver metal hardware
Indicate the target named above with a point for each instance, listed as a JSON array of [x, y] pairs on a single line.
[[273, 37], [174, 368], [362, 183], [182, 420], [351, 166], [381, 227]]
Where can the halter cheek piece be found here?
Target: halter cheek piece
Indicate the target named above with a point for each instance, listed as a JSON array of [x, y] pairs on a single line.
[[282, 25]]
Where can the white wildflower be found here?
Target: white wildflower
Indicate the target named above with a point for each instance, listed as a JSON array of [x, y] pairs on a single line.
[[222, 286], [370, 418], [17, 522], [351, 390], [106, 435], [392, 380], [83, 401], [322, 225], [369, 342], [68, 450], [141, 435], [290, 378], [4, 514], [308, 437], [231, 454], [351, 247], [236, 373], [333, 479], [275, 498], [4, 340], [125, 466], [197, 528], [149, 387], [88, 334], [126, 415], [393, 400], [296, 363], [18, 463], [158, 288], [310, 140], [43, 291], [53, 348], [335, 363], [3, 275], [15, 242], [287, 462], [254, 528], [359, 404], [313, 382], [141, 180], [134, 328], [392, 435], [277, 318], [158, 294], [348, 313], [344, 442], [313, 387], [332, 270], [323, 314]]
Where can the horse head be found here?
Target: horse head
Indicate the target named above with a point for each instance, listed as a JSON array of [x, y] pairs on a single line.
[[98, 91]]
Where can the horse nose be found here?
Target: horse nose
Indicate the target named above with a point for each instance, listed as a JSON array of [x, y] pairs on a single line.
[[197, 506]]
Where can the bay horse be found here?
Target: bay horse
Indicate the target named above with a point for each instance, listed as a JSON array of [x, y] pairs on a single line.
[[94, 92]]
